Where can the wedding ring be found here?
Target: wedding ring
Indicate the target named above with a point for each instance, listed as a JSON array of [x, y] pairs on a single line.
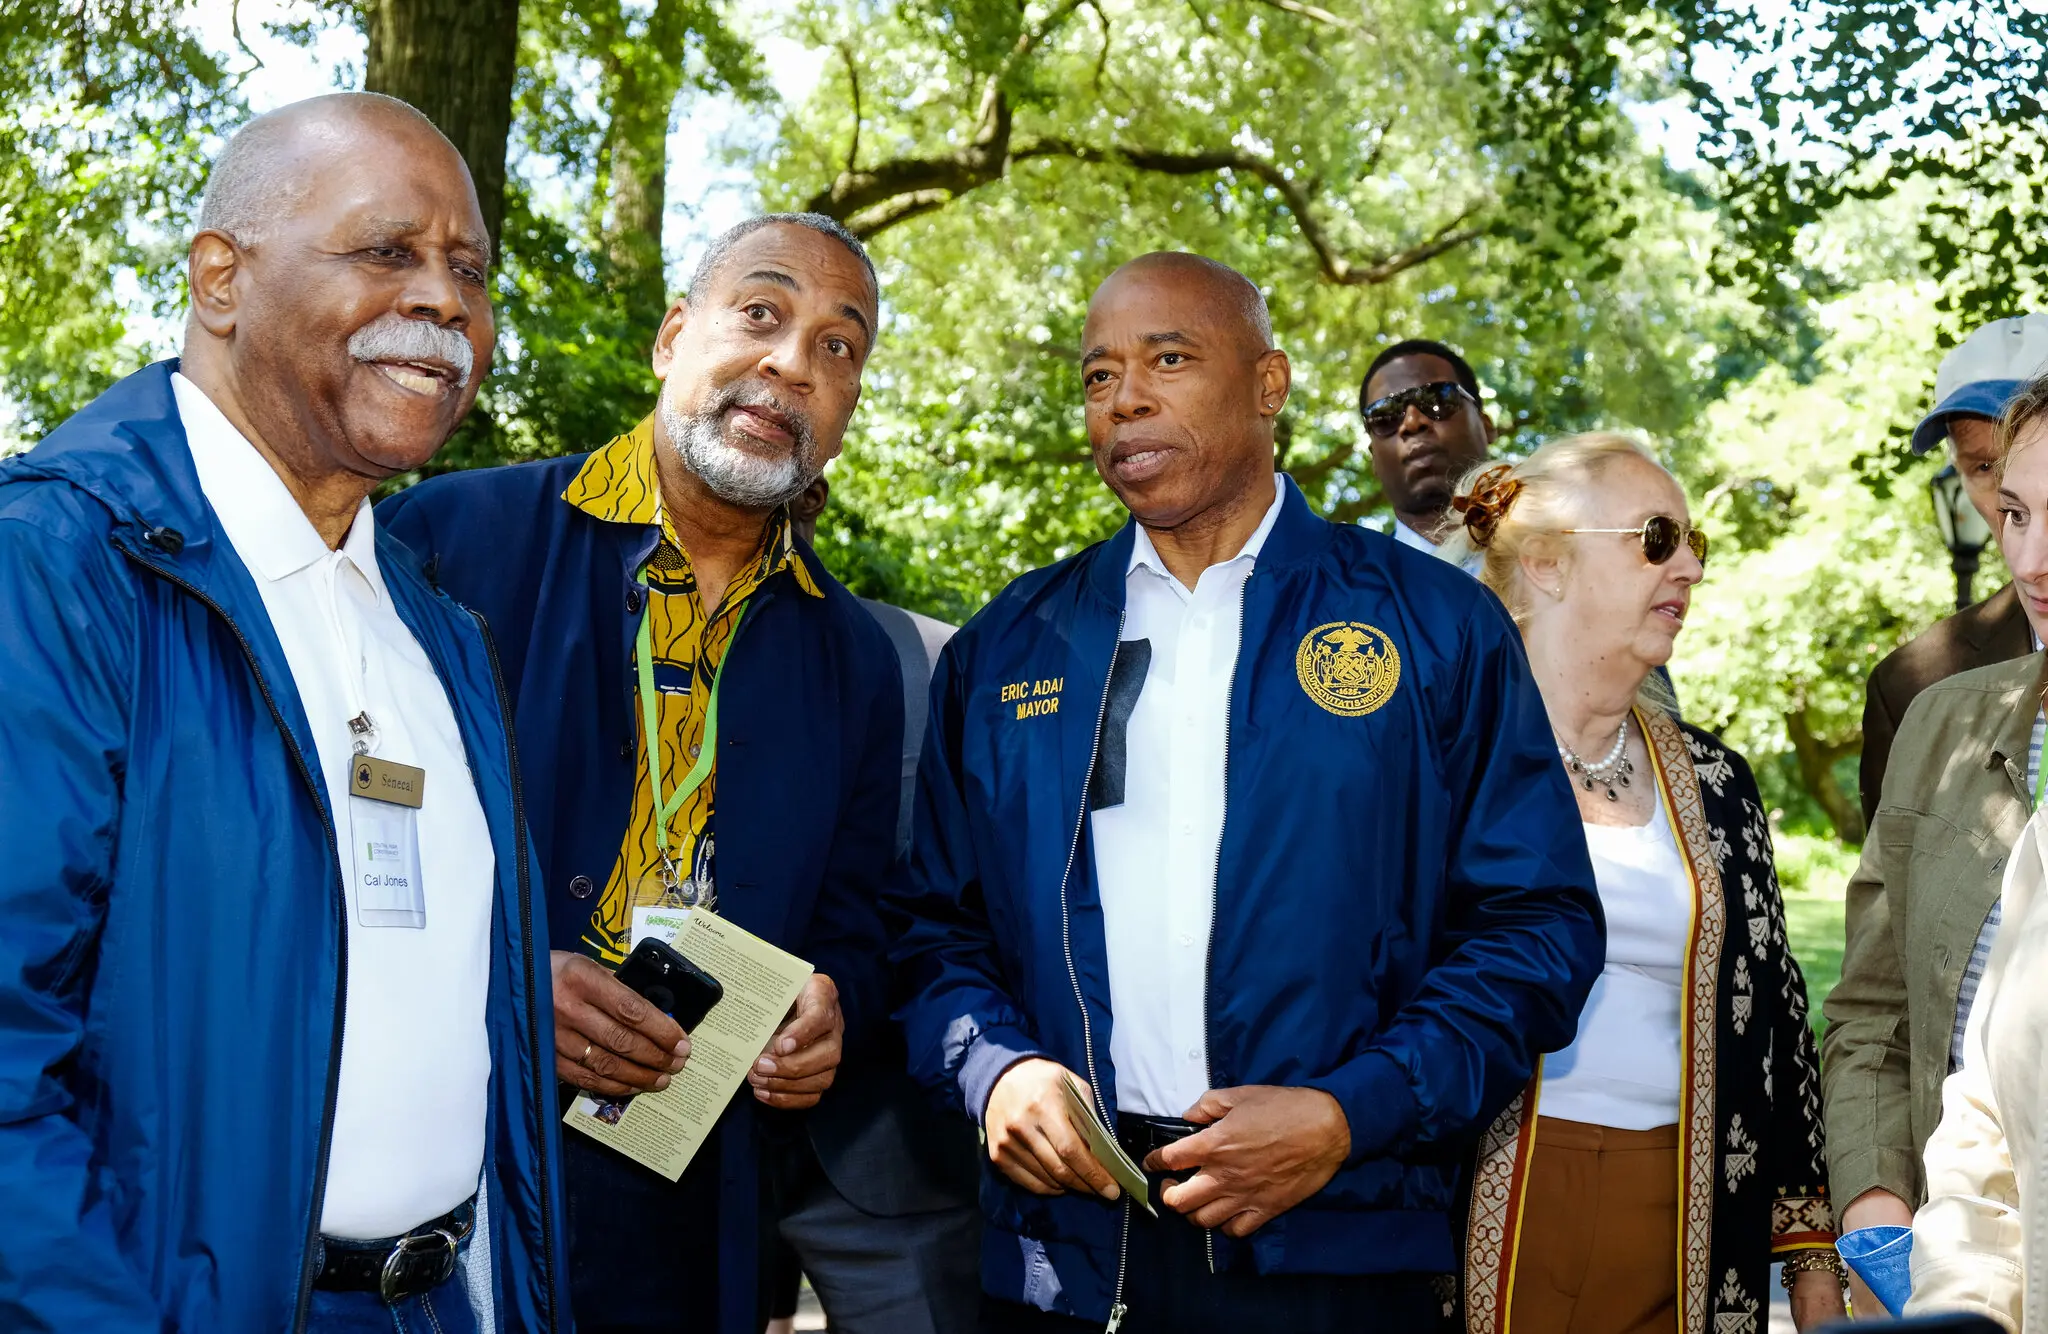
[[584, 1059]]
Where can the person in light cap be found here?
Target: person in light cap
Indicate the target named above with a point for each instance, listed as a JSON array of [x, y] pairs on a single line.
[[1976, 380], [1924, 903]]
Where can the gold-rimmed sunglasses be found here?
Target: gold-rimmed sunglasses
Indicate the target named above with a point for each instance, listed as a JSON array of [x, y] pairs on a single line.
[[1660, 535]]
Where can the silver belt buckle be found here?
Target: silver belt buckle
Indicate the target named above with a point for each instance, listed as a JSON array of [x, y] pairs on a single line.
[[416, 1243]]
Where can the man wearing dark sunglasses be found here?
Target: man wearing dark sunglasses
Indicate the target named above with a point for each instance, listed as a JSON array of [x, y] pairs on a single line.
[[1426, 429]]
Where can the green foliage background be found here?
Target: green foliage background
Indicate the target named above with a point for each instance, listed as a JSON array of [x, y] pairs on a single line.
[[1851, 185]]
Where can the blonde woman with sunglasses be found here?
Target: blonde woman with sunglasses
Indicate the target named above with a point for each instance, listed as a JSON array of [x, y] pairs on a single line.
[[1646, 1179]]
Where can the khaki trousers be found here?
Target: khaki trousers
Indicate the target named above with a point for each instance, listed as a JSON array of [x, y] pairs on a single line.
[[1599, 1235]]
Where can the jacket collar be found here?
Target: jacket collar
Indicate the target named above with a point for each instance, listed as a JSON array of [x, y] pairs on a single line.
[[1298, 535], [127, 449], [2016, 735]]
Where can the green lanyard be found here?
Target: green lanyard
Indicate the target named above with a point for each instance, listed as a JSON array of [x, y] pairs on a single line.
[[2040, 774], [707, 752]]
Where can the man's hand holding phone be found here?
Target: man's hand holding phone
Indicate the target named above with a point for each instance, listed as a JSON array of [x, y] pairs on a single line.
[[609, 1040], [1031, 1137]]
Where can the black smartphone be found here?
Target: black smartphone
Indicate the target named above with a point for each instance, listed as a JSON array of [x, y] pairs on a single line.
[[672, 984]]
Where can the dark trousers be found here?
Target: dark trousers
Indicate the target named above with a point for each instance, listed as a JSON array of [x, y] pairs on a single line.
[[1168, 1289], [913, 1274], [643, 1251]]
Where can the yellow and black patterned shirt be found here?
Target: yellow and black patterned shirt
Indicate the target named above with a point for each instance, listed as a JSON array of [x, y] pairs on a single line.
[[619, 484]]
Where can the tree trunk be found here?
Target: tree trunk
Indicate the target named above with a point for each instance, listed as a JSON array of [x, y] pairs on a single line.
[[1817, 761], [644, 92], [642, 78], [455, 60]]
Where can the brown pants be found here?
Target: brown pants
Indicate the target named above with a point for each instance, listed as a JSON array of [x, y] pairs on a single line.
[[1599, 1236]]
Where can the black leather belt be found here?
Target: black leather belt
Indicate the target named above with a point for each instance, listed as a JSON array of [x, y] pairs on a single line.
[[397, 1267], [1141, 1136]]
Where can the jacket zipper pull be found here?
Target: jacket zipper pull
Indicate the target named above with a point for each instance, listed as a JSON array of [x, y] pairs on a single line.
[[1117, 1312]]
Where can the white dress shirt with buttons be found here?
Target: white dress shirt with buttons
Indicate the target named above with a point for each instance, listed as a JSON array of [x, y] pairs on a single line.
[[1156, 853], [415, 1060]]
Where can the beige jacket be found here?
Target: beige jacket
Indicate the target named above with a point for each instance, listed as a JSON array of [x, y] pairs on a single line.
[[1980, 1243]]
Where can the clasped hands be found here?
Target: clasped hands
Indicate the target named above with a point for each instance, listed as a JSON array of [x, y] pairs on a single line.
[[1263, 1149], [609, 1041]]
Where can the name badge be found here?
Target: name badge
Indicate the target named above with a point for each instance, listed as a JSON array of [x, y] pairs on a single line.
[[384, 842], [663, 924], [386, 780]]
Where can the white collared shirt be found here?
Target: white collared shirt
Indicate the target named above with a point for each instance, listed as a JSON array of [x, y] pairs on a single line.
[[415, 1060], [1156, 852], [1408, 537]]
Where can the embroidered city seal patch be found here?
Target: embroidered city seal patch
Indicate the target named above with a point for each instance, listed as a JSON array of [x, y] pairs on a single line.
[[1348, 667]]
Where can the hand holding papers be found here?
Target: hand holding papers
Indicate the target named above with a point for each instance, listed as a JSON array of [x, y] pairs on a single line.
[[1037, 1139], [663, 1130], [1104, 1146]]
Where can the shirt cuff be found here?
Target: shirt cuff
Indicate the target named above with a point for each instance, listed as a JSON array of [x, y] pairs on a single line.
[[993, 1053], [1856, 1171], [1372, 1091]]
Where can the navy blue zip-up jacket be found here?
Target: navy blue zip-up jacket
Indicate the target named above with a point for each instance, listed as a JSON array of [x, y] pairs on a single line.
[[810, 738], [172, 937], [1405, 912]]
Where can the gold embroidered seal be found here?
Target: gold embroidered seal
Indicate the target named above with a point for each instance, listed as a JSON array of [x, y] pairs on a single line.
[[1348, 667]]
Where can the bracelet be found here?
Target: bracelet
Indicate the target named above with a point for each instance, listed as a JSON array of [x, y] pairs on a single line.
[[1807, 1260]]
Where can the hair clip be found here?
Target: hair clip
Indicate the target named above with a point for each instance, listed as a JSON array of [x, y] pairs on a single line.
[[1493, 492]]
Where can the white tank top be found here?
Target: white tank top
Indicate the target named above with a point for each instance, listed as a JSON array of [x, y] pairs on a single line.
[[1624, 1067]]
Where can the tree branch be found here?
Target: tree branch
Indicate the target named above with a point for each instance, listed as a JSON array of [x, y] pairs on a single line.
[[1317, 15], [901, 208], [1101, 59], [235, 27], [874, 200], [1335, 267], [852, 82], [1030, 41]]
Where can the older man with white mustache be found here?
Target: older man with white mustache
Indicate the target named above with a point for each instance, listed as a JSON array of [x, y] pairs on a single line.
[[654, 605], [273, 1047]]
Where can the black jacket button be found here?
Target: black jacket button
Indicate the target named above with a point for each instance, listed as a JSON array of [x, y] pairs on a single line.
[[634, 598], [580, 887]]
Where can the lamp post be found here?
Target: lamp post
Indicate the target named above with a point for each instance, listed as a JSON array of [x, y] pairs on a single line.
[[1963, 530]]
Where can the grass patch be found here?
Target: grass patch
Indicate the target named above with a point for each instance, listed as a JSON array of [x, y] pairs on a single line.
[[1813, 872]]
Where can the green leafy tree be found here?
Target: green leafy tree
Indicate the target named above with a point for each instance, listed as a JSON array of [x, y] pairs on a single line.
[[1815, 575], [105, 108], [1374, 185]]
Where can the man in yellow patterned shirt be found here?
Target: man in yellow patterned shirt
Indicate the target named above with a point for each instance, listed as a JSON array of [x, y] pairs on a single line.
[[619, 484], [702, 711]]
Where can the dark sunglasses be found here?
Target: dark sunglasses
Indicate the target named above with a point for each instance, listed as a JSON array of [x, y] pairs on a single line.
[[1660, 535], [1437, 401]]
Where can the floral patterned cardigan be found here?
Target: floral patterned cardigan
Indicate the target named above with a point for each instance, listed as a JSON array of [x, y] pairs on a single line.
[[1753, 1163]]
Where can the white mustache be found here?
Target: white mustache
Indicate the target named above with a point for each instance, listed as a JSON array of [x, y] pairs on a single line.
[[393, 337]]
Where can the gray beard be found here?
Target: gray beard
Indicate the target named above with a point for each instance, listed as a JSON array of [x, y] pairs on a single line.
[[733, 474]]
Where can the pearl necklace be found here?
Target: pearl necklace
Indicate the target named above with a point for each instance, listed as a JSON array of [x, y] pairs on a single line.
[[1610, 772]]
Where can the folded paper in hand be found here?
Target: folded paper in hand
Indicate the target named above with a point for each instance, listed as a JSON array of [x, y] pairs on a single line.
[[1127, 1174], [664, 1130]]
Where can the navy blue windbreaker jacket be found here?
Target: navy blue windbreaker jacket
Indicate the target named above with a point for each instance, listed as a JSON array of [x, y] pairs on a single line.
[[1405, 911], [172, 943]]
